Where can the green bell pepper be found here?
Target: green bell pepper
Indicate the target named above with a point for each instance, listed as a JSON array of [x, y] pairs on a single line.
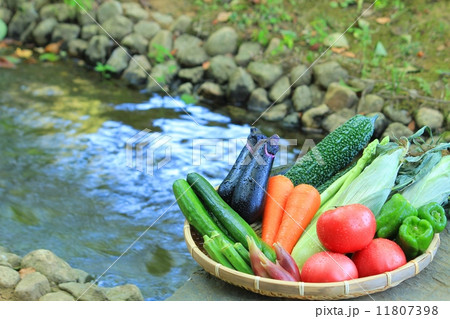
[[414, 236], [392, 214], [435, 214]]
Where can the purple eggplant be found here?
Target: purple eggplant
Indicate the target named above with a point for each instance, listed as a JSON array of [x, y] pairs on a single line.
[[249, 196]]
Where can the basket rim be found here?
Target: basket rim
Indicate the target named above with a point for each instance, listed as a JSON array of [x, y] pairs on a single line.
[[311, 291]]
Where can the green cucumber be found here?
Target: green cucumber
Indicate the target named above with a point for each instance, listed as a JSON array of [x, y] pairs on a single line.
[[215, 252], [333, 153], [194, 211], [230, 219]]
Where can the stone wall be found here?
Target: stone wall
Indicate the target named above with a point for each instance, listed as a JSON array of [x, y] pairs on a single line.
[[41, 275], [158, 53]]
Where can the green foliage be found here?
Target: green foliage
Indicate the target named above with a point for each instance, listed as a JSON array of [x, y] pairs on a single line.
[[3, 30], [423, 85], [160, 54], [188, 98], [262, 36], [85, 4], [104, 69], [50, 57]]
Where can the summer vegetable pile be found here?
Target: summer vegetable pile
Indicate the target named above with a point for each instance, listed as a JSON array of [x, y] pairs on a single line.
[[351, 207]]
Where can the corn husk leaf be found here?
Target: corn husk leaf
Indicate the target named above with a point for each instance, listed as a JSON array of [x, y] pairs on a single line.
[[433, 187]]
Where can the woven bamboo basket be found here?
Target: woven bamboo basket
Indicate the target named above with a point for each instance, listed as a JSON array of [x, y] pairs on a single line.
[[302, 290]]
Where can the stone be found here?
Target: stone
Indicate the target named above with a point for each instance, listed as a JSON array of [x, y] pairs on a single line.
[[11, 259], [90, 30], [339, 97], [380, 123], [432, 118], [258, 101], [247, 52], [21, 20], [50, 265], [8, 277], [65, 32], [118, 27], [264, 74], [191, 55], [181, 24], [240, 85], [161, 44], [77, 47], [301, 98], [83, 292], [32, 287], [210, 91], [317, 94], [329, 72], [164, 20], [44, 30], [5, 15], [98, 48], [108, 10], [280, 90], [136, 43], [59, 11], [300, 75], [276, 113], [124, 293], [82, 276], [137, 72], [396, 130], [185, 88], [57, 296], [333, 121], [337, 40], [397, 115], [147, 29], [363, 85], [220, 68], [194, 75], [14, 4], [370, 103], [275, 47], [292, 120], [222, 41], [162, 74], [313, 117], [86, 17], [118, 60], [134, 11]]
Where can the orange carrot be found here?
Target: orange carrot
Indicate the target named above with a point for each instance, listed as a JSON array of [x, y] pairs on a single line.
[[278, 190], [301, 206]]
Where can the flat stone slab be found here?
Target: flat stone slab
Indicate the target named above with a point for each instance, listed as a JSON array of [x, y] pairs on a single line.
[[430, 284]]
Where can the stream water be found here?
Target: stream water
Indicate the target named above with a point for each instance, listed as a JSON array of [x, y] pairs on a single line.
[[67, 183]]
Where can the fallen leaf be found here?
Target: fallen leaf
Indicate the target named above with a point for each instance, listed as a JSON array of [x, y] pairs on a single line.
[[441, 48], [348, 54], [174, 51], [338, 50], [23, 53], [31, 60], [6, 64], [383, 20], [223, 16], [206, 65], [53, 47], [412, 126], [420, 54], [315, 47], [26, 271]]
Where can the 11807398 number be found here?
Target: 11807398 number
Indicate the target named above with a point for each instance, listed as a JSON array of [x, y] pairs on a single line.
[[407, 310]]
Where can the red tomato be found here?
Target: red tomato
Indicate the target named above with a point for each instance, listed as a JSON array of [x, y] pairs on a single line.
[[379, 256], [346, 229], [327, 266]]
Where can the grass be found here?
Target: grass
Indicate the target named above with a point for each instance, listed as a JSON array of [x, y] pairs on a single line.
[[399, 44]]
